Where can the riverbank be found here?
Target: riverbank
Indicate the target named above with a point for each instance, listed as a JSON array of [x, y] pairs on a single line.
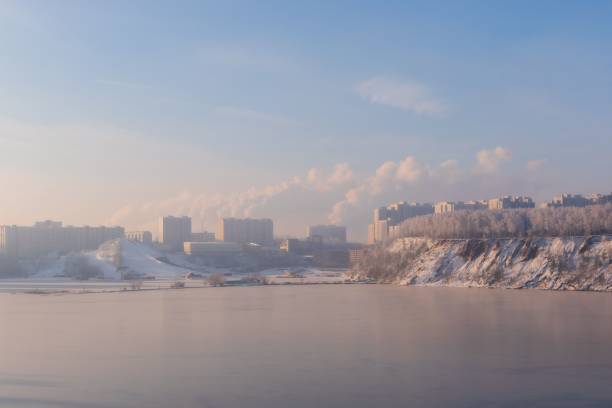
[[270, 277], [570, 263]]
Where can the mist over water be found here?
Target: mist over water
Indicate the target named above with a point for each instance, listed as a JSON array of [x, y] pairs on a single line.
[[305, 346]]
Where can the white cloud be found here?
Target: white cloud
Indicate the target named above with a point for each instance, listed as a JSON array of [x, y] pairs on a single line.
[[409, 170], [318, 179], [342, 174], [337, 195], [388, 177], [488, 161], [313, 193], [408, 96]]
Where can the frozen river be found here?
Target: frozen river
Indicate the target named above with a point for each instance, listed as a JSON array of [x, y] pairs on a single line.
[[306, 346]]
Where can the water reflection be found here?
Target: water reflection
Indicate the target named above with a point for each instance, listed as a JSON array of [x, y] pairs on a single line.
[[332, 346]]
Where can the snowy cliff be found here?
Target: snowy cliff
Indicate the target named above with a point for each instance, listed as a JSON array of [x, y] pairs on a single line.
[[572, 263]]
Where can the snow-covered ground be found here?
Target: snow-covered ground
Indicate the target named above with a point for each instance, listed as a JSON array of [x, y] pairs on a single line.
[[156, 268]]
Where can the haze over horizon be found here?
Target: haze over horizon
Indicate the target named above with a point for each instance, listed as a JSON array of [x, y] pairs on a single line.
[[120, 112]]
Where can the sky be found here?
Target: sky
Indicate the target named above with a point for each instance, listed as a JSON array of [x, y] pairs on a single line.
[[115, 112]]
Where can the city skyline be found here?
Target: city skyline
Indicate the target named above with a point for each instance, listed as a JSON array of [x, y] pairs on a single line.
[[386, 221], [118, 114]]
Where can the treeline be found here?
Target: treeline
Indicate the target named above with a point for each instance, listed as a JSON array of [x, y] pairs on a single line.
[[564, 221]]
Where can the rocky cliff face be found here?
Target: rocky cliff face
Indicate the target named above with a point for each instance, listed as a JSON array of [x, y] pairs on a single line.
[[576, 263]]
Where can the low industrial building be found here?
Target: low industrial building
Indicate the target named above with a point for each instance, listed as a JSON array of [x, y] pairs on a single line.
[[331, 258], [328, 234], [212, 248], [302, 247], [203, 236], [318, 253]]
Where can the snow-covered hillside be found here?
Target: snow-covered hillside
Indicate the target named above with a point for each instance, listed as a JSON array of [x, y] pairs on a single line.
[[134, 258], [576, 263], [138, 259]]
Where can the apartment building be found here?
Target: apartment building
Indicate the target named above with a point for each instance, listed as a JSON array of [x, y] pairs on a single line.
[[48, 237], [174, 232], [508, 201], [442, 207], [579, 200], [386, 220], [145, 237], [246, 230]]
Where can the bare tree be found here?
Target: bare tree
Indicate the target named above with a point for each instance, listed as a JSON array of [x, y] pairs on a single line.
[[136, 285], [216, 279]]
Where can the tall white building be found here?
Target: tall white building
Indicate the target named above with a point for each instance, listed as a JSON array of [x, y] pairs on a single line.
[[174, 232], [387, 218], [246, 230]]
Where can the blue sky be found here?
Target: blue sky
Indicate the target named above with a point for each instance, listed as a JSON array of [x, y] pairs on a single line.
[[112, 107]]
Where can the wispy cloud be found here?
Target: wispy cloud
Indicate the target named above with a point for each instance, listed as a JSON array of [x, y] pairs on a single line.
[[246, 114], [321, 181], [407, 95]]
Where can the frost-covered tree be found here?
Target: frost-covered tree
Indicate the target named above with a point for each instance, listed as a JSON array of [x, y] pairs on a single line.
[[564, 221], [216, 279]]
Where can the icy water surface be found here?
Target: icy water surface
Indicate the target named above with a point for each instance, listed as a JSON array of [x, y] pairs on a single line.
[[307, 346]]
